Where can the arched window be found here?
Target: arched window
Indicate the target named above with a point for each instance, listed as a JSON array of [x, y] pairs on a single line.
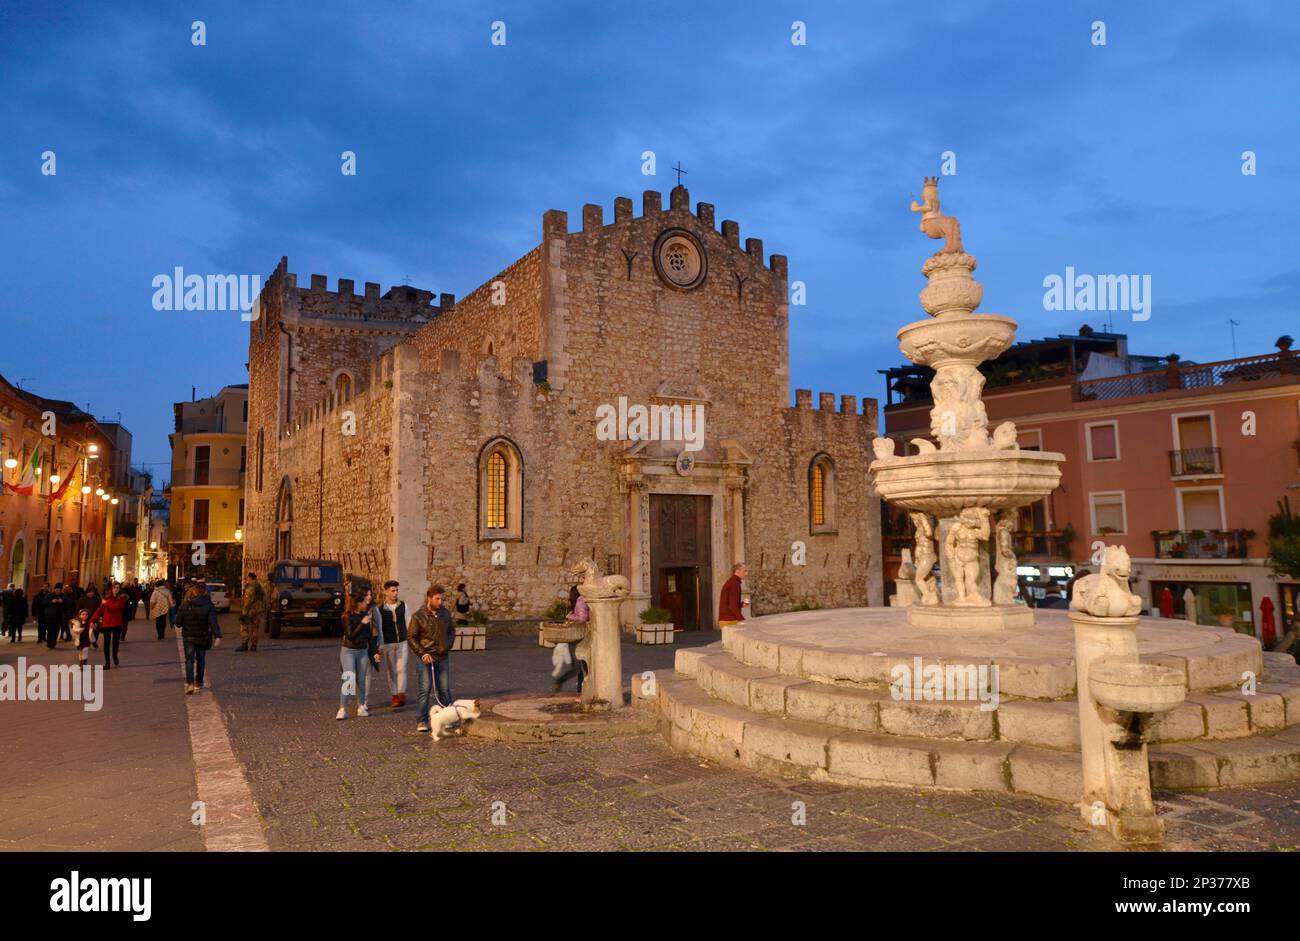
[[821, 494], [500, 473], [343, 386], [284, 521]]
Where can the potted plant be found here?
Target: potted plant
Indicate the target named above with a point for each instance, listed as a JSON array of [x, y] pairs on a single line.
[[1063, 541], [1225, 614], [1196, 535], [1283, 343], [656, 627], [554, 629]]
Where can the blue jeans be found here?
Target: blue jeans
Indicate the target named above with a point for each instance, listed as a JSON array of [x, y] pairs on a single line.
[[432, 678], [357, 663], [195, 656]]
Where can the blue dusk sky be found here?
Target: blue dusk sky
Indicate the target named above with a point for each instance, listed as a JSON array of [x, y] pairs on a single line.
[[1118, 159]]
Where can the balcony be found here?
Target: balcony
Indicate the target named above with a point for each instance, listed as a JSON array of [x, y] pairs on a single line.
[[1195, 462], [1042, 545], [212, 477], [1201, 543], [1231, 372]]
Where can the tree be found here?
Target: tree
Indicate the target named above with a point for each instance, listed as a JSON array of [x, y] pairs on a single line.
[[1284, 541]]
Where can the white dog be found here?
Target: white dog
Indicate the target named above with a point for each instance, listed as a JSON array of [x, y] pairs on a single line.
[[463, 711]]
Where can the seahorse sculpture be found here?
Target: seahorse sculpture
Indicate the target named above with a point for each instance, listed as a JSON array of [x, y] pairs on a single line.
[[594, 585], [933, 222]]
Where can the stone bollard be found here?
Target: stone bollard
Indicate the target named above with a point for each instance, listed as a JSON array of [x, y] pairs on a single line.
[[602, 647], [604, 682], [1117, 697]]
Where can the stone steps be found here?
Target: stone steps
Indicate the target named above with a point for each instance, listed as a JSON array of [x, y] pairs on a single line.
[[717, 730], [1220, 714]]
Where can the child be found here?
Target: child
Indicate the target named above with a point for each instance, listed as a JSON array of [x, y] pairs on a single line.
[[82, 634]]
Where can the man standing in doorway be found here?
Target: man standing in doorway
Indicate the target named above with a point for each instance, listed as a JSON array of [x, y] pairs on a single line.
[[730, 603]]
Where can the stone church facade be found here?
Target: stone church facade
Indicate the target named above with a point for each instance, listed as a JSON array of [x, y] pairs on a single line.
[[444, 440]]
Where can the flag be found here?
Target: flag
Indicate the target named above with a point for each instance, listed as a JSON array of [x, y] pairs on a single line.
[[66, 487], [26, 485]]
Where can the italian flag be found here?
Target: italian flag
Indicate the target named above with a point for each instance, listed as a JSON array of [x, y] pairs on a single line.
[[26, 485]]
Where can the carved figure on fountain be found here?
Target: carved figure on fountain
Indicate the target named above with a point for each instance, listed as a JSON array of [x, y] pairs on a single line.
[[966, 545], [958, 419], [1106, 594], [926, 556], [1006, 585]]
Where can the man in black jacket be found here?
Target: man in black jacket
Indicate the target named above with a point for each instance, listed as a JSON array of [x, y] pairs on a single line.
[[392, 613], [52, 616], [200, 630]]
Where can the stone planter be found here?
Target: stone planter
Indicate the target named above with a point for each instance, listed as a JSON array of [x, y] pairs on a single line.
[[550, 633], [654, 633], [471, 637]]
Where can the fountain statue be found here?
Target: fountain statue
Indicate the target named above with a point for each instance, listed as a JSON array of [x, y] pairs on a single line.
[[600, 648], [954, 484]]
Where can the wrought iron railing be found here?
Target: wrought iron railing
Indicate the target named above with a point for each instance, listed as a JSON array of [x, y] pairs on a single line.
[[1191, 376], [1201, 543], [1190, 461]]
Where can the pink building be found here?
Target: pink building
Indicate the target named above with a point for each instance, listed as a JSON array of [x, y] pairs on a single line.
[[1182, 464]]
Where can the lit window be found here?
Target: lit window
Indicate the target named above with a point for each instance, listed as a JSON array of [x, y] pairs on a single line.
[[496, 491], [819, 495]]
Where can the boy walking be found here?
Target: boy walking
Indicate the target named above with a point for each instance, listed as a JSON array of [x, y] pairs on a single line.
[[392, 616]]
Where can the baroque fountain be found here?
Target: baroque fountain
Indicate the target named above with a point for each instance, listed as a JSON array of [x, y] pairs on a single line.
[[957, 686], [973, 481]]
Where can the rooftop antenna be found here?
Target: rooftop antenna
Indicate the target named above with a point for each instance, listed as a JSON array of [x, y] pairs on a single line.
[[24, 379], [1233, 325]]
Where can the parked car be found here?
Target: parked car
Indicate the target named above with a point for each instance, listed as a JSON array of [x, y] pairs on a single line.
[[306, 592], [219, 594]]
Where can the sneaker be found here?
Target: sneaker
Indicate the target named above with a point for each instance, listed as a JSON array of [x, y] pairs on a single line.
[[396, 702], [401, 699], [341, 714], [362, 712], [189, 689], [422, 727]]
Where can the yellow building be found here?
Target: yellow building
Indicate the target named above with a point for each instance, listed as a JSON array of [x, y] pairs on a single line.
[[206, 495]]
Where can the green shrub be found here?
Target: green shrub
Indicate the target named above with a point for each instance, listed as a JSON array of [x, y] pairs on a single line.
[[478, 617], [556, 612], [656, 616]]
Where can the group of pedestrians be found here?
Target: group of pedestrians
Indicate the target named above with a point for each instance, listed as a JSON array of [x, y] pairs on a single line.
[[379, 635]]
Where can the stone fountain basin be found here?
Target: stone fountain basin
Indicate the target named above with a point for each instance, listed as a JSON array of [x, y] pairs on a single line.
[[957, 338], [557, 632], [945, 482], [1136, 687]]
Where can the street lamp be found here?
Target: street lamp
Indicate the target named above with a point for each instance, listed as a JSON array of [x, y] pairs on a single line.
[[55, 478], [99, 491], [239, 535], [113, 501], [85, 488], [11, 462]]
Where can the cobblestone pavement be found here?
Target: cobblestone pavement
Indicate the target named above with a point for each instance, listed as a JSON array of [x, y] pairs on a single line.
[[120, 778], [374, 783]]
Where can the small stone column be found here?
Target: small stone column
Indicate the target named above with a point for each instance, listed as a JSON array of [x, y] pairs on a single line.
[[1094, 639], [605, 677]]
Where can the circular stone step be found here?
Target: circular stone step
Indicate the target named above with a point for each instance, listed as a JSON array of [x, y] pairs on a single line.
[[807, 695], [861, 646]]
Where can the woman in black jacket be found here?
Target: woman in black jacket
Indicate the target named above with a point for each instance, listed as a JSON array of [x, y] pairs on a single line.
[[360, 648]]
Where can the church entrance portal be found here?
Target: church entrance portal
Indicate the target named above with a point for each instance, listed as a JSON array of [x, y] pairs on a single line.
[[681, 558]]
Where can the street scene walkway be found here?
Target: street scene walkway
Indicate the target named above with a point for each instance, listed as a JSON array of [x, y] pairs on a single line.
[[278, 772]]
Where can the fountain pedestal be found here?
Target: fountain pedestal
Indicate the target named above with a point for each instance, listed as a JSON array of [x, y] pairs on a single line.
[[1118, 697]]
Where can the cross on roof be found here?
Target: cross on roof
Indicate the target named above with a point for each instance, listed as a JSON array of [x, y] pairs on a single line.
[[679, 171]]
